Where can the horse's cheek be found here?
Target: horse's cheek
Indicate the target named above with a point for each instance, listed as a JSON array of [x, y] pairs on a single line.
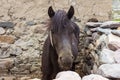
[[74, 50]]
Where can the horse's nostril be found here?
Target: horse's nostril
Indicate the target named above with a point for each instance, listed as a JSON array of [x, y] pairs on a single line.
[[60, 58], [72, 57]]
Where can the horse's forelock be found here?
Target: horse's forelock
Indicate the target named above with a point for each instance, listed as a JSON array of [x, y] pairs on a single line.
[[59, 21]]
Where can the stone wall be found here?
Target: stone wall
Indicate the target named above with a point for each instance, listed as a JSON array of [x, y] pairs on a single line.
[[37, 9], [22, 28]]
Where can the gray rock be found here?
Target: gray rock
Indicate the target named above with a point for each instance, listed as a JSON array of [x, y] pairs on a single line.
[[95, 36], [4, 55], [104, 31], [31, 23], [34, 68], [114, 46], [20, 29], [7, 24], [14, 70], [35, 79], [41, 37], [9, 51], [25, 44], [14, 50], [9, 31], [116, 32], [113, 38], [95, 68], [20, 69], [117, 56], [93, 24], [38, 29], [8, 78], [25, 78], [110, 24], [109, 70], [4, 47], [6, 64], [25, 66], [106, 56], [94, 77], [70, 75], [21, 43], [2, 31], [101, 42], [29, 55]]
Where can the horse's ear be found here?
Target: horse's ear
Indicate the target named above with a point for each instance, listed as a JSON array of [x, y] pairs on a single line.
[[51, 12], [70, 12]]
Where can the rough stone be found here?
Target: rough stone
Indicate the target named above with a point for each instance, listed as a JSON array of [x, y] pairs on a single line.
[[114, 45], [31, 23], [95, 68], [30, 54], [34, 68], [4, 45], [117, 56], [95, 36], [20, 30], [6, 64], [41, 37], [9, 31], [8, 78], [25, 44], [14, 50], [101, 42], [35, 79], [38, 29], [4, 53], [21, 43], [25, 66], [110, 24], [9, 50], [2, 31], [7, 39], [14, 70], [70, 75], [25, 78], [93, 8], [113, 38], [7, 24], [109, 70], [94, 77], [118, 28], [24, 72], [116, 32], [106, 56]]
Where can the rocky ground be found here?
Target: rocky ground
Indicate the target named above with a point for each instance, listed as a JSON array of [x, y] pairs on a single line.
[[103, 44], [21, 47]]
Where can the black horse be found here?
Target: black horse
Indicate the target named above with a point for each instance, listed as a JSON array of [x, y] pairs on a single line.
[[61, 46]]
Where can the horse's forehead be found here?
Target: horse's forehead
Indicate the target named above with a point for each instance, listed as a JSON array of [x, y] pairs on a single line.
[[60, 12]]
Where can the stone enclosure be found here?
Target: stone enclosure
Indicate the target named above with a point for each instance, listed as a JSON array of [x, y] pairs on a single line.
[[23, 25]]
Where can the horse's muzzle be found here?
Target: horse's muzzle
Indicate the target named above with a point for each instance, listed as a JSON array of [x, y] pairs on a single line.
[[65, 62]]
